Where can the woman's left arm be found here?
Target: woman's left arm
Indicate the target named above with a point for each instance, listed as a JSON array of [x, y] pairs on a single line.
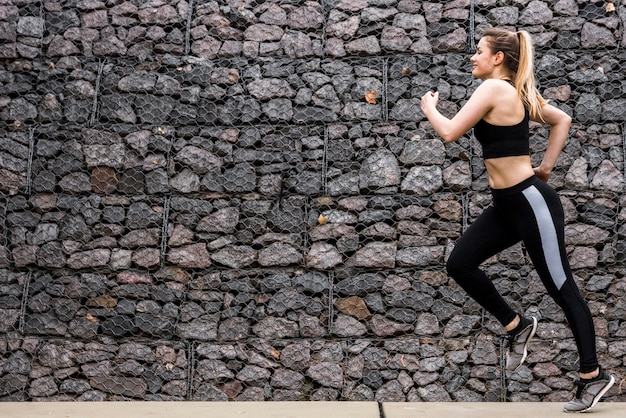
[[560, 123], [479, 104]]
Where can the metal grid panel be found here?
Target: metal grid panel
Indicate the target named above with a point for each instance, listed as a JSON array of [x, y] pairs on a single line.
[[242, 200]]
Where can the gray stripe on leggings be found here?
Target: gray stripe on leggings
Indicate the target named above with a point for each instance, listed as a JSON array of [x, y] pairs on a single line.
[[547, 231]]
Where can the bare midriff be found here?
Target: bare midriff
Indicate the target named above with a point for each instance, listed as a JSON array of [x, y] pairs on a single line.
[[508, 171]]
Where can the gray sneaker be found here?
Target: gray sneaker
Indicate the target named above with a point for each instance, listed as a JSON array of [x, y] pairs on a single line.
[[517, 351], [589, 392]]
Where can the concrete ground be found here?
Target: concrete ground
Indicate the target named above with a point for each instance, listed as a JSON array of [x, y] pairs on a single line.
[[297, 410]]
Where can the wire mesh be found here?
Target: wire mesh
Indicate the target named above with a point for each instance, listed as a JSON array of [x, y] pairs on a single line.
[[242, 200]]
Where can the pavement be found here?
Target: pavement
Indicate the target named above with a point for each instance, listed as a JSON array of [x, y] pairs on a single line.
[[299, 410]]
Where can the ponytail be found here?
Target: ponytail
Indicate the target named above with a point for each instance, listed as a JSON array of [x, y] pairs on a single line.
[[525, 76], [517, 48]]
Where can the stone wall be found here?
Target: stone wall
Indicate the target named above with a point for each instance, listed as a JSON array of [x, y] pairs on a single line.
[[241, 200]]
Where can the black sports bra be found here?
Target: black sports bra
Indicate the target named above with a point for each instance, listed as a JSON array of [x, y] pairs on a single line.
[[503, 141]]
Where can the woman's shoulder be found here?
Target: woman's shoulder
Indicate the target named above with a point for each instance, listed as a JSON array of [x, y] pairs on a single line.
[[494, 91], [497, 84]]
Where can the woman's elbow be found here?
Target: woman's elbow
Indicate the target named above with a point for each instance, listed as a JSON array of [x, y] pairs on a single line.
[[563, 124], [559, 118], [448, 137], [567, 120]]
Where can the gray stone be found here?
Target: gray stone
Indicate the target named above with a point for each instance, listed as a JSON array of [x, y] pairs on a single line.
[[457, 176], [270, 88], [75, 386], [420, 256], [30, 26], [207, 48], [395, 39], [94, 19], [288, 379], [203, 328], [381, 169], [223, 220], [297, 45], [460, 325], [368, 45], [423, 152], [343, 26], [309, 16], [159, 14], [596, 36], [454, 41], [566, 7], [423, 180], [375, 254], [323, 256], [118, 385], [536, 13], [262, 32], [276, 328], [86, 259], [427, 324], [112, 46], [236, 256], [383, 327], [153, 109], [347, 326], [43, 387], [506, 15], [233, 329], [406, 110], [613, 110], [608, 178], [390, 392], [296, 355], [279, 254], [137, 82], [190, 256], [326, 374], [22, 110], [576, 177], [581, 234], [278, 110]]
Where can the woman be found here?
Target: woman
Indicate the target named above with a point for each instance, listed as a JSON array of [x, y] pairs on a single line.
[[524, 207]]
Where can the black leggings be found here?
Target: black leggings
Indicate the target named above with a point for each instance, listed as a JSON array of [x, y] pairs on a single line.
[[531, 212]]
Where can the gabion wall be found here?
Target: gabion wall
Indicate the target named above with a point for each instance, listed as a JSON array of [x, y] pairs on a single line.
[[242, 200]]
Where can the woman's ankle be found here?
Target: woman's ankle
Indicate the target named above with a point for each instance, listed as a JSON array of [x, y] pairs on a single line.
[[590, 375], [513, 324]]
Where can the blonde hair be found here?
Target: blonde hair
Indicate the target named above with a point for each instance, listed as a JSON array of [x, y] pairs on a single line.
[[518, 51]]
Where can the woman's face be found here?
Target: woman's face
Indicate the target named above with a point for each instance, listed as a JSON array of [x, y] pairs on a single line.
[[483, 60]]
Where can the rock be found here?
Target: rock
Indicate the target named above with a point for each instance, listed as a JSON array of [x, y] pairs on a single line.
[[347, 326], [379, 170], [423, 180], [536, 13], [279, 254], [326, 374], [367, 46], [323, 256], [262, 32], [608, 178], [595, 36], [190, 256]]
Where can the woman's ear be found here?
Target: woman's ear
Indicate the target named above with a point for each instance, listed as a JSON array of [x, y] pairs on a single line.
[[498, 58]]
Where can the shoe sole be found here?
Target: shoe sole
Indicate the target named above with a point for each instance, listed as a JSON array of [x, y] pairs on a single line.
[[527, 343], [597, 398]]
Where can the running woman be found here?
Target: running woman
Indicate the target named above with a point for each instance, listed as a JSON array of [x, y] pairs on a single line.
[[524, 207]]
